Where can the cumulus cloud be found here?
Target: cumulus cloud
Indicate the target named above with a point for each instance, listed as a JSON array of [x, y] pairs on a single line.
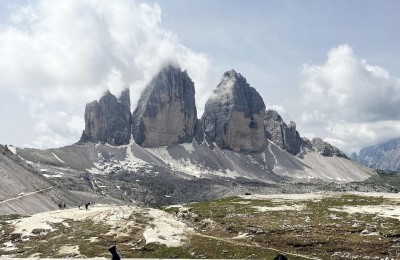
[[356, 103], [63, 54]]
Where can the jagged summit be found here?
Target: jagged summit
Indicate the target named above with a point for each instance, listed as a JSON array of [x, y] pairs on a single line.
[[108, 120], [166, 113], [324, 148], [233, 115], [284, 136]]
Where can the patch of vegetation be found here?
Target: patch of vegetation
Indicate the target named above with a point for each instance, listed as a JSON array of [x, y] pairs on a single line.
[[316, 230], [209, 247]]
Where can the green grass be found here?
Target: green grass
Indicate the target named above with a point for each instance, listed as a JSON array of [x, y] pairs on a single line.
[[315, 231]]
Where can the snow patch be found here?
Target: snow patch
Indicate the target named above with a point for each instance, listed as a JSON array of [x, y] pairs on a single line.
[[58, 158], [386, 211], [279, 208], [165, 229], [12, 149], [9, 246], [59, 175]]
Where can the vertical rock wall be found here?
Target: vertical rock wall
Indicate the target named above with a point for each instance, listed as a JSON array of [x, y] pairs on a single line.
[[166, 113], [108, 120], [234, 114]]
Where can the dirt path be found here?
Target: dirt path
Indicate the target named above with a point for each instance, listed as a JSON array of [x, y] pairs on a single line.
[[227, 240], [27, 194]]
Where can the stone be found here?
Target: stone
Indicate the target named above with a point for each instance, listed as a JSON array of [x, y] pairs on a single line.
[[109, 120], [282, 135], [234, 114], [166, 113]]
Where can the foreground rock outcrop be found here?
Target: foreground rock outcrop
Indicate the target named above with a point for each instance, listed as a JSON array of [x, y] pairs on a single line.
[[108, 120], [284, 136], [166, 113], [234, 114]]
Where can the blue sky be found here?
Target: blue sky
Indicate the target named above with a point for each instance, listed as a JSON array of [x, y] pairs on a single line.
[[330, 66]]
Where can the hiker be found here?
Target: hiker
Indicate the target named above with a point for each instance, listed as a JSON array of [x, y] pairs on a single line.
[[87, 205], [59, 205], [65, 205], [113, 251], [79, 207]]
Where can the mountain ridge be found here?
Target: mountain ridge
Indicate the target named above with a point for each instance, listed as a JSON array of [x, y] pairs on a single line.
[[171, 156], [383, 156]]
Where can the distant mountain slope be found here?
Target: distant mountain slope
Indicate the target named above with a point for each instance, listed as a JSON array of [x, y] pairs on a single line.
[[26, 190], [200, 161], [385, 156]]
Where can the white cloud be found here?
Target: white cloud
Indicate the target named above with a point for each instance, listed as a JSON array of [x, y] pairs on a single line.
[[356, 103], [63, 54]]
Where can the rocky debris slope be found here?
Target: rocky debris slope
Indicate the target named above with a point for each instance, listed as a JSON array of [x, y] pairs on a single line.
[[385, 156], [108, 120], [18, 177], [27, 187], [166, 113], [234, 114], [284, 136]]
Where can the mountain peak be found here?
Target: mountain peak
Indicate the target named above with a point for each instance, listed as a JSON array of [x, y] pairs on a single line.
[[233, 115], [166, 112], [108, 120]]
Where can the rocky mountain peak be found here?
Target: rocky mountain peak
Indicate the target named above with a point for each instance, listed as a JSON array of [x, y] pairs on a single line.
[[326, 149], [284, 136], [233, 115], [384, 156], [166, 113], [108, 120]]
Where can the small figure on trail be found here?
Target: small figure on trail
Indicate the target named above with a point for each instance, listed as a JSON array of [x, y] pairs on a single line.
[[113, 251], [87, 205], [79, 207], [60, 205], [65, 205]]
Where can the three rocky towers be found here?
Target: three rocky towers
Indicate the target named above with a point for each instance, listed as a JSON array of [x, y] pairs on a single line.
[[234, 116]]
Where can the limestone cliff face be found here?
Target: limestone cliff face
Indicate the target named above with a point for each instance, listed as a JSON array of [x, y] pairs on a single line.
[[284, 136], [166, 113], [234, 114], [108, 120]]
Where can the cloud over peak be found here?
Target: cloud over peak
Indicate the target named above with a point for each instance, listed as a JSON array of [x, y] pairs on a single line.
[[352, 97], [69, 52]]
